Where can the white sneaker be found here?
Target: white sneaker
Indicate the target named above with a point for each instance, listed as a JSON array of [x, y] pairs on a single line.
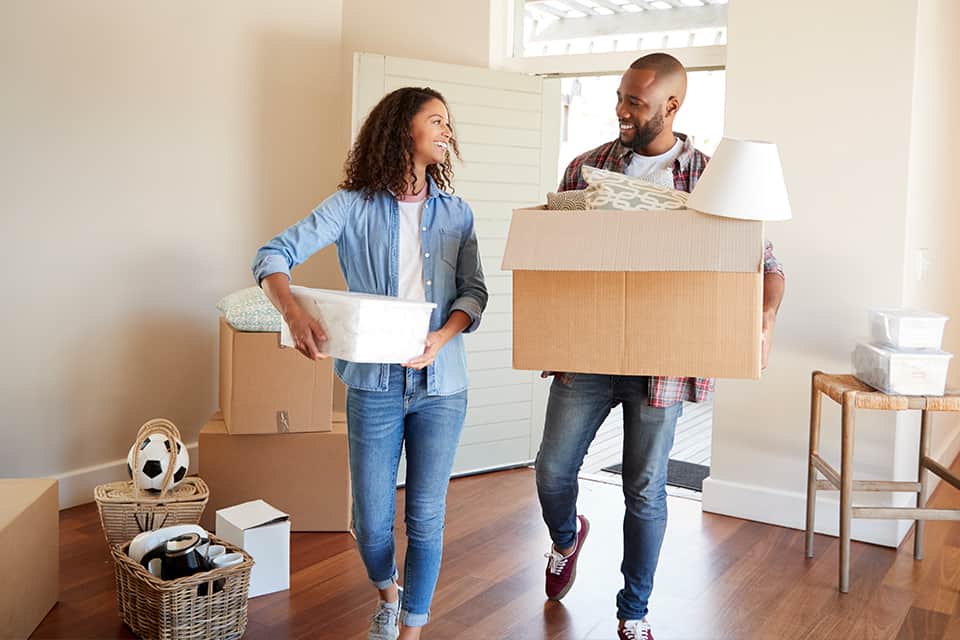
[[635, 630], [385, 623]]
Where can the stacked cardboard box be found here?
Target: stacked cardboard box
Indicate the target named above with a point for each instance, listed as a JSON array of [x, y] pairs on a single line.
[[279, 435], [29, 553]]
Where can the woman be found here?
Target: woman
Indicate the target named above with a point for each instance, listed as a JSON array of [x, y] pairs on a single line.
[[398, 232]]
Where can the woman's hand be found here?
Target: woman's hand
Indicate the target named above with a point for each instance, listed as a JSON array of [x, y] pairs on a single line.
[[456, 323], [435, 341], [308, 335]]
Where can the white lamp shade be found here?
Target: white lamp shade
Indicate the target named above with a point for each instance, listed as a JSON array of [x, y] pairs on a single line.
[[742, 180]]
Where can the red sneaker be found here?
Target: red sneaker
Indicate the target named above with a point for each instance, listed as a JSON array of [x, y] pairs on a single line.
[[562, 570], [635, 630]]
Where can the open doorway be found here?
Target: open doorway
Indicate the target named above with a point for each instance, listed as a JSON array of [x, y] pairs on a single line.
[[588, 120]]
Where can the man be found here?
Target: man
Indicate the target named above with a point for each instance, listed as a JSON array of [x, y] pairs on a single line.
[[650, 95]]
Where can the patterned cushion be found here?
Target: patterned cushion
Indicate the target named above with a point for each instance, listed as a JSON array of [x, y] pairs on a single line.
[[567, 201], [250, 310], [610, 190]]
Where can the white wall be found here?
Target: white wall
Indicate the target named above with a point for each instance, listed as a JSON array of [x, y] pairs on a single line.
[[148, 149], [832, 84]]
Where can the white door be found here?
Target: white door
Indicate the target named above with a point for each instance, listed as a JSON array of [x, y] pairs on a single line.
[[508, 127]]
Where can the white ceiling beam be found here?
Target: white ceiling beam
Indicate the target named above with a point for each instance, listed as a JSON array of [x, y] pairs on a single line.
[[614, 62], [546, 8], [573, 5], [613, 6], [686, 19]]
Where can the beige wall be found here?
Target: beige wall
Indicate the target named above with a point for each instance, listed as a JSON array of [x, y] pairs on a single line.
[[458, 32], [832, 84], [148, 149], [933, 201]]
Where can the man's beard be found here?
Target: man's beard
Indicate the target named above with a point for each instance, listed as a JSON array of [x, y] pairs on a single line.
[[646, 134]]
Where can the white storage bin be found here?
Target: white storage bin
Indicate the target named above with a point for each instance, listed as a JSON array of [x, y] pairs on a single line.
[[361, 327], [908, 372], [906, 328]]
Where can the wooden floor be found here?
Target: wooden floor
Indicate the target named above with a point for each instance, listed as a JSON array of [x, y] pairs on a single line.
[[719, 578], [690, 444]]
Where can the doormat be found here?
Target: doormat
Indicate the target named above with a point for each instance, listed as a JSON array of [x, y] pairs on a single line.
[[679, 474]]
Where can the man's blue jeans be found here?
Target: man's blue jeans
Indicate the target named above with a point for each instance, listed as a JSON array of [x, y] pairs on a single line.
[[380, 423], [574, 413]]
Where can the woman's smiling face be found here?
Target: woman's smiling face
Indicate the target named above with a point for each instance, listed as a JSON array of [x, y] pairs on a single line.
[[431, 133]]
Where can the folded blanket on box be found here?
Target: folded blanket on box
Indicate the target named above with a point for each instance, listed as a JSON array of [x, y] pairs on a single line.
[[249, 310]]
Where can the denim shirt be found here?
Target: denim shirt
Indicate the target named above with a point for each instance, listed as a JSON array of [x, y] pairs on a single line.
[[367, 235]]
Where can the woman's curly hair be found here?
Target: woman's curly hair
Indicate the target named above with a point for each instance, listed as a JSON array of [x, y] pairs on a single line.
[[382, 156]]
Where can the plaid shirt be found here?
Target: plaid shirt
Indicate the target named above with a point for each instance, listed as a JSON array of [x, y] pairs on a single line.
[[664, 391]]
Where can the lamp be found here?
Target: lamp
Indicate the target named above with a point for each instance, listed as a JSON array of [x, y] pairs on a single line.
[[742, 180]]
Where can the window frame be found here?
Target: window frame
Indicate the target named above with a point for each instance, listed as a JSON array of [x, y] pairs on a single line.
[[507, 38]]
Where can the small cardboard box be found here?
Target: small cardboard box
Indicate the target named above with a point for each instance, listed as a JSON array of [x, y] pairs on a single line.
[[265, 388], [670, 293], [29, 553], [264, 532], [307, 475]]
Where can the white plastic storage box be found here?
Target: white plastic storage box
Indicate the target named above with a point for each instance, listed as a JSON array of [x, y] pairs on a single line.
[[264, 532], [908, 372], [906, 328], [361, 327]]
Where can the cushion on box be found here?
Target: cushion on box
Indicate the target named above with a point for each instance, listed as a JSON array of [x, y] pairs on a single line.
[[611, 190], [249, 310], [567, 200]]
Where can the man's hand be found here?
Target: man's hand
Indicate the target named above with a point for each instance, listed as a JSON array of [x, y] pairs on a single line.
[[308, 335], [435, 341], [769, 320], [564, 378]]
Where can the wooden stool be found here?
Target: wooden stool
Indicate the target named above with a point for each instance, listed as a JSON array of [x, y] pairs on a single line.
[[851, 394]]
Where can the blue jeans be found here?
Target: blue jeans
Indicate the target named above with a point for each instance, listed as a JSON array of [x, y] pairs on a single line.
[[574, 413], [380, 423]]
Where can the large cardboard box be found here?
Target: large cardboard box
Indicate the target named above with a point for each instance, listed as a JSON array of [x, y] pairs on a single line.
[[263, 531], [266, 388], [672, 293], [29, 554], [306, 475]]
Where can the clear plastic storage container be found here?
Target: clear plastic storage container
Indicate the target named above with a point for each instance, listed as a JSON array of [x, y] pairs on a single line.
[[909, 372], [361, 327], [906, 328]]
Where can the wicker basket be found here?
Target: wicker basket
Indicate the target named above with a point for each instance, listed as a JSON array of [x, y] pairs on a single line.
[[156, 609], [127, 510]]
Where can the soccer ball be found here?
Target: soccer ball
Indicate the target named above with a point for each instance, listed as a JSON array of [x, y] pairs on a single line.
[[149, 459]]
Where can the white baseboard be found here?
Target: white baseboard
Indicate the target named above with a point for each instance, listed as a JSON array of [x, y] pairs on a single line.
[[76, 487], [789, 509]]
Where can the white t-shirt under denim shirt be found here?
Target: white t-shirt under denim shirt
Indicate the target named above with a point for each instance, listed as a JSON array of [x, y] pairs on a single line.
[[410, 285]]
